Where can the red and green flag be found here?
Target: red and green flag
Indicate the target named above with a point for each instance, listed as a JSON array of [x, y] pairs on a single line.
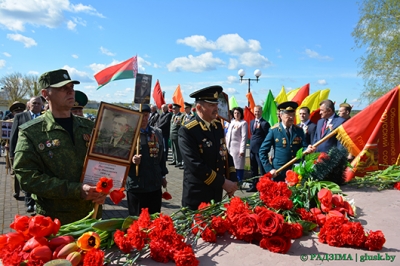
[[125, 70]]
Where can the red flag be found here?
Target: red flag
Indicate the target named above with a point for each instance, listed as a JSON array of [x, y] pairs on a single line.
[[315, 116], [158, 95], [302, 94], [124, 70], [178, 98], [249, 97], [373, 135], [248, 116]]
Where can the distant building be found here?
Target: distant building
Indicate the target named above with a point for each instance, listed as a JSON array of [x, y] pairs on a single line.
[[92, 105]]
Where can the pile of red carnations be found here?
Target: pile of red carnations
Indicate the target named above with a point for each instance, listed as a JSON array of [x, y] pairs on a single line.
[[159, 236]]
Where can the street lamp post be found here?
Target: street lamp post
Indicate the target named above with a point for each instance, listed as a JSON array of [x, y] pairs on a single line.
[[241, 73]]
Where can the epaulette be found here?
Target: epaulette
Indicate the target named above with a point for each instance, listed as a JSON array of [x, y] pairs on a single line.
[[275, 126], [217, 121], [191, 124], [31, 122]]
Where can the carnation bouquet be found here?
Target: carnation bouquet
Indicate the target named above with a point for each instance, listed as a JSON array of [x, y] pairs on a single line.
[[279, 212]]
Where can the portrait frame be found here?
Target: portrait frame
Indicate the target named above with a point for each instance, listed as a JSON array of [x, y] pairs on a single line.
[[6, 127], [142, 92], [223, 106], [112, 139], [96, 168]]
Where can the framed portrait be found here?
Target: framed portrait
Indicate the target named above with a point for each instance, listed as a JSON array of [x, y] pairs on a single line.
[[6, 129], [95, 168], [142, 88], [115, 133], [223, 106]]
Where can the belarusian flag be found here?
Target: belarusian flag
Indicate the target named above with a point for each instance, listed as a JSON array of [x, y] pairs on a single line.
[[125, 70]]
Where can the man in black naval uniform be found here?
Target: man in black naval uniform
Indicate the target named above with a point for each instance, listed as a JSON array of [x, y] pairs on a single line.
[[286, 139], [208, 168]]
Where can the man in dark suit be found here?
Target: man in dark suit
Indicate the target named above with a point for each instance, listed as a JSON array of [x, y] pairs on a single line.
[[154, 115], [164, 123], [328, 122], [306, 124], [286, 139], [208, 168], [35, 105], [259, 130]]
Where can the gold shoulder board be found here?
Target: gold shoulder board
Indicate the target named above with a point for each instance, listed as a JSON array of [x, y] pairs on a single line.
[[191, 124]]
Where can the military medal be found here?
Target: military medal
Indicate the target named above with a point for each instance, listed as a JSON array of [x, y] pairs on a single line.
[[154, 148], [200, 148], [56, 142], [276, 140], [48, 144], [41, 146], [51, 154], [284, 142]]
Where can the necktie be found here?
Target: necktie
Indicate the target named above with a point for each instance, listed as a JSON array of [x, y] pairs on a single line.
[[255, 124], [324, 126], [288, 133]]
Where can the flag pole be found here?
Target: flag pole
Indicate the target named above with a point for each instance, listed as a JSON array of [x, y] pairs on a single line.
[[138, 144], [333, 133]]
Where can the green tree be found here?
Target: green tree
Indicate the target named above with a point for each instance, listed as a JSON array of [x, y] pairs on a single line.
[[17, 87], [378, 31]]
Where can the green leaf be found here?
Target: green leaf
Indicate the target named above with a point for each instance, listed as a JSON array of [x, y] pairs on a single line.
[[299, 154]]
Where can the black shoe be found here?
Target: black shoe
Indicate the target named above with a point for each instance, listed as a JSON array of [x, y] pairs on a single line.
[[179, 165], [251, 189], [30, 209], [173, 163], [182, 167], [16, 195]]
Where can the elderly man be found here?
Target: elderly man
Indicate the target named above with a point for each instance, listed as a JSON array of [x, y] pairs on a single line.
[[50, 154], [81, 100], [154, 115], [204, 152], [328, 122], [286, 139], [144, 189], [35, 107]]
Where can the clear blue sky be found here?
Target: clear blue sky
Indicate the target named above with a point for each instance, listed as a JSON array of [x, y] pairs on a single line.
[[191, 43]]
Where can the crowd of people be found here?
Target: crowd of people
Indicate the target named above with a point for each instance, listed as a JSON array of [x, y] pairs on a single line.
[[211, 154]]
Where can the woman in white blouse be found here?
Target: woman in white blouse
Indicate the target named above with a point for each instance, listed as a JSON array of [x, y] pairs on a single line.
[[236, 138]]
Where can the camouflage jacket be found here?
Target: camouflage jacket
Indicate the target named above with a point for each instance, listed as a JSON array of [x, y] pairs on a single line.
[[48, 163]]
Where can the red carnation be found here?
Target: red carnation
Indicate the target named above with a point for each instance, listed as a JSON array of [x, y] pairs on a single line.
[[209, 235], [292, 230], [281, 203], [353, 234], [185, 257], [94, 257], [375, 240], [219, 224], [166, 195], [277, 244], [322, 157]]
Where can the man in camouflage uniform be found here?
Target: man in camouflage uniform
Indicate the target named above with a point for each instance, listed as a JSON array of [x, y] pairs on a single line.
[[50, 153], [208, 168]]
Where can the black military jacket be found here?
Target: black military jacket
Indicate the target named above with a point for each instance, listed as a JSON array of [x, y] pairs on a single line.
[[206, 160]]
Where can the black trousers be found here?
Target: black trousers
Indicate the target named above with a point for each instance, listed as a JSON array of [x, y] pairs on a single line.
[[256, 166], [150, 200]]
